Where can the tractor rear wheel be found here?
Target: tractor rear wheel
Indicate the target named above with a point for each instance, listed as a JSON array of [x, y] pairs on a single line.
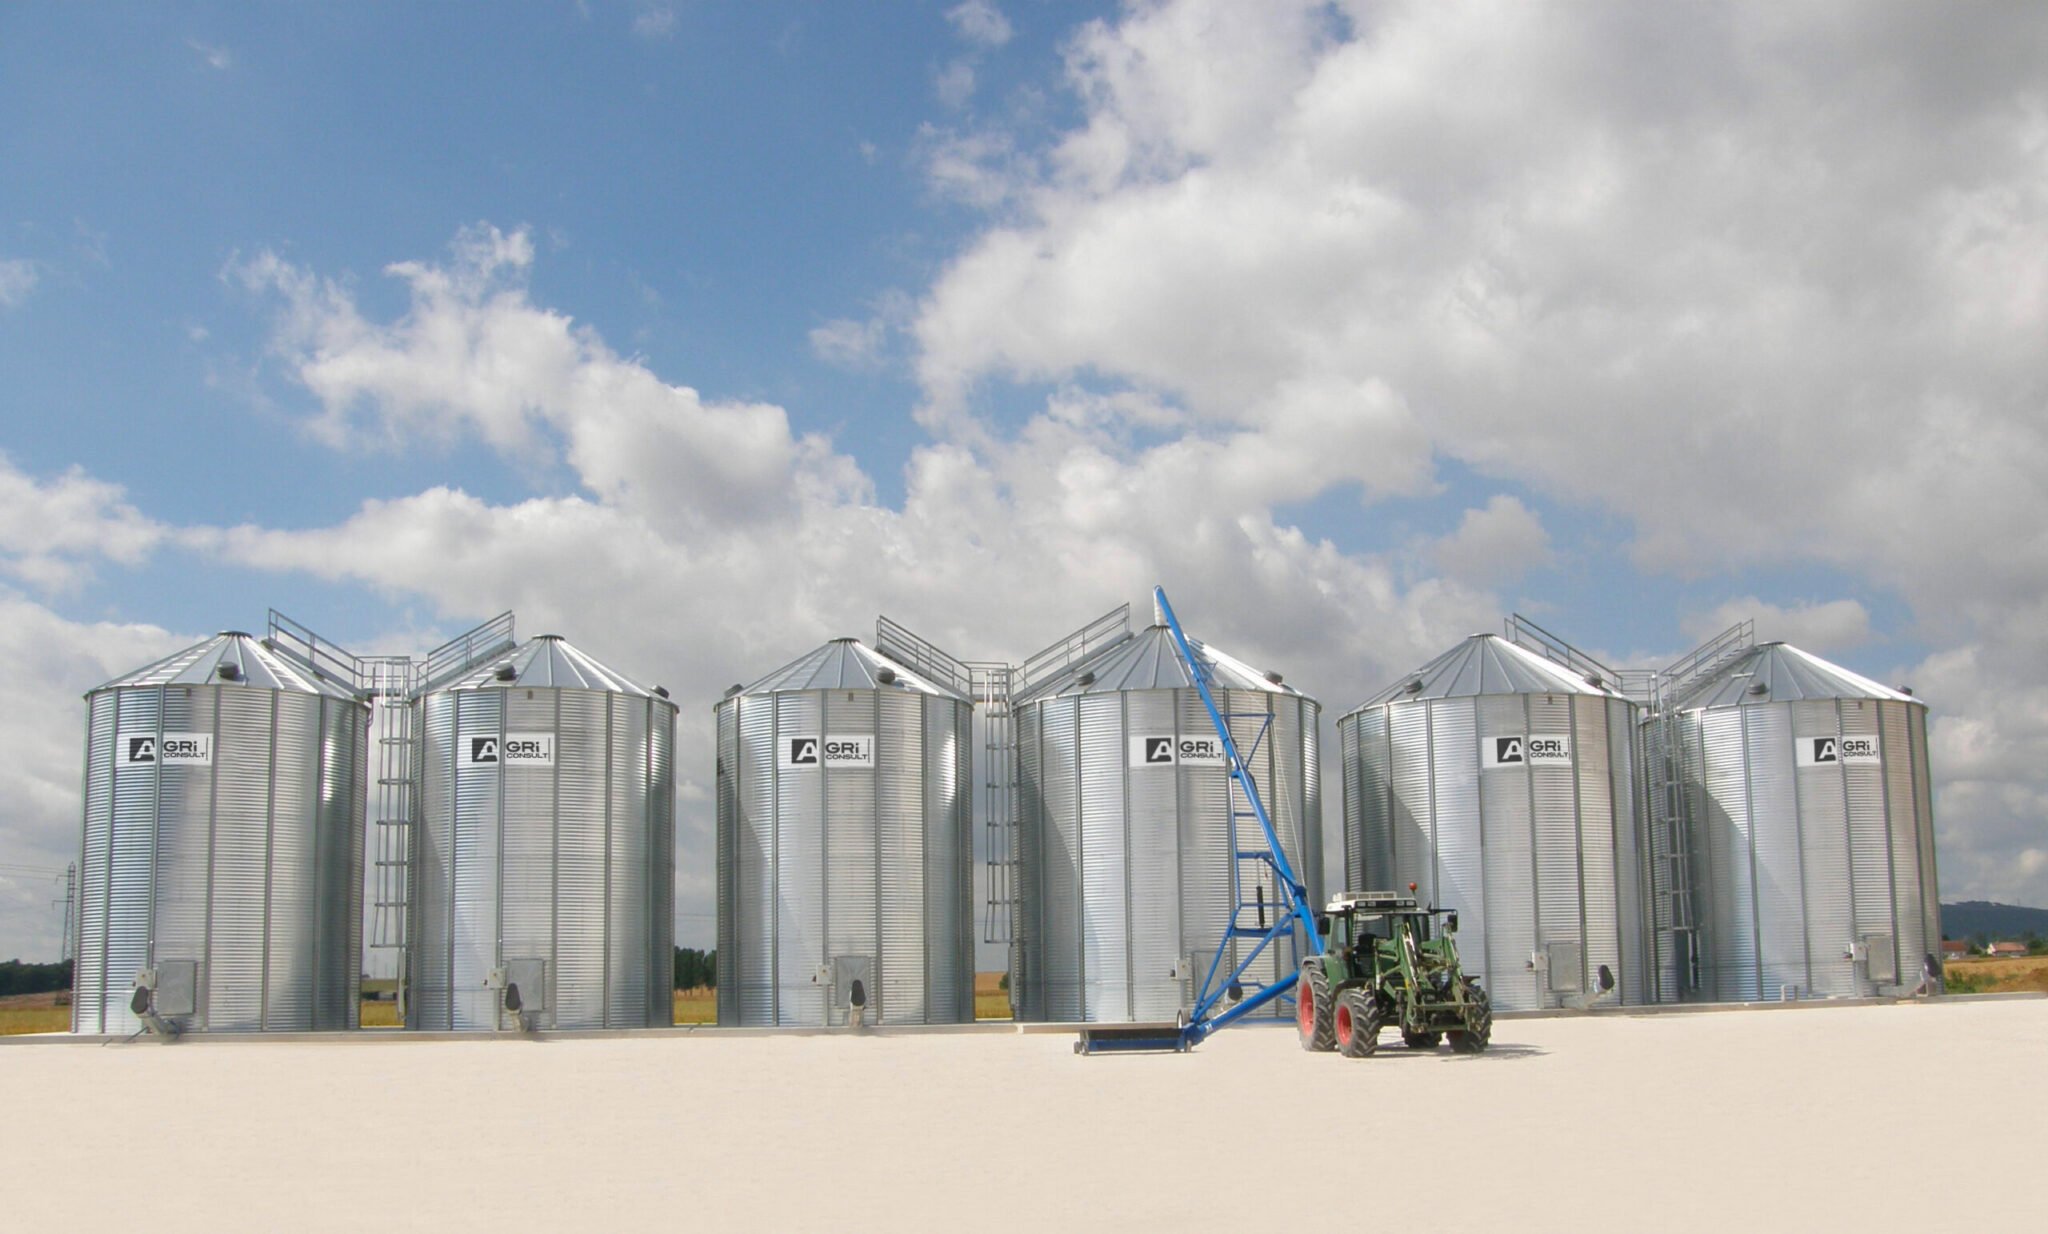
[[1478, 1031], [1313, 1020], [1358, 1023], [1421, 1041]]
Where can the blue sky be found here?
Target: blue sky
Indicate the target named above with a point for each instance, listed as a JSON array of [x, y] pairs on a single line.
[[704, 331]]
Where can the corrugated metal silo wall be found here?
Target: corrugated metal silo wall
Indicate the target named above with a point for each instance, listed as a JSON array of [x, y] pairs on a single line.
[[570, 863], [1125, 873], [818, 863], [250, 866], [1528, 855], [1801, 859]]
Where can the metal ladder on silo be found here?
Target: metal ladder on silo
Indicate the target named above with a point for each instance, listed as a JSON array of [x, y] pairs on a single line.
[[385, 681], [999, 683], [395, 682], [1667, 798], [991, 683], [987, 685], [391, 682]]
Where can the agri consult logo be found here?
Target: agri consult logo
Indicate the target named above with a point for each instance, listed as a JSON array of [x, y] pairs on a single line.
[[1837, 751], [1167, 750], [1528, 750], [800, 753], [512, 750], [146, 749]]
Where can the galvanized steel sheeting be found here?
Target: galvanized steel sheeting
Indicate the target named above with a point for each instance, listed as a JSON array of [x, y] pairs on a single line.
[[571, 864], [1529, 856], [1124, 873], [250, 866], [1801, 862], [825, 862]]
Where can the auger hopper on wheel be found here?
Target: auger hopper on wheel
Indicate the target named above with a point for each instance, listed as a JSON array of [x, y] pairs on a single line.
[[1383, 967]]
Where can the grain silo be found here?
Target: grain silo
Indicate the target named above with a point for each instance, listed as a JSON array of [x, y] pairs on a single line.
[[1123, 860], [844, 845], [1502, 783], [1805, 795], [222, 857], [544, 846]]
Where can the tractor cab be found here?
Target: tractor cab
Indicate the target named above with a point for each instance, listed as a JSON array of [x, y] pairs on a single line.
[[1359, 921]]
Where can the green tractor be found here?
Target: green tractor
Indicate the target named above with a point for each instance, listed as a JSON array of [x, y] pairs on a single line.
[[1382, 969]]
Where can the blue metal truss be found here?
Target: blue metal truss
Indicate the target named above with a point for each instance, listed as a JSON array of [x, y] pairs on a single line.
[[1223, 985]]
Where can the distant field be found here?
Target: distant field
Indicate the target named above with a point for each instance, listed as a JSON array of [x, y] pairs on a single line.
[[33, 1013], [1985, 976], [991, 1001], [698, 1006]]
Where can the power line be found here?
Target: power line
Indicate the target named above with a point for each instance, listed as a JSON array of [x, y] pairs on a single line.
[[21, 871]]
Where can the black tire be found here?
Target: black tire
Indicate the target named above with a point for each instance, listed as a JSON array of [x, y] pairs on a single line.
[[1357, 1022], [1313, 1021], [1478, 1031], [1421, 1041]]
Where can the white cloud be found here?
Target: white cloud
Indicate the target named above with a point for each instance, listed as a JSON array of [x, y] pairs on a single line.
[[1587, 278], [51, 532], [655, 21], [848, 343], [981, 168], [980, 23], [1497, 543], [17, 279], [474, 355], [1822, 627], [219, 59], [954, 83]]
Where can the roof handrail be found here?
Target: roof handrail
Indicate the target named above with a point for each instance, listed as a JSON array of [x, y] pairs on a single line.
[[921, 655], [1109, 630]]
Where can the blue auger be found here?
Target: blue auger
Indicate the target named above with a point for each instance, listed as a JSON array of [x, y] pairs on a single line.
[[1204, 1018]]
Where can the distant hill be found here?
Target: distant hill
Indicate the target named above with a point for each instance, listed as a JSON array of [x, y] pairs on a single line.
[[1991, 922]]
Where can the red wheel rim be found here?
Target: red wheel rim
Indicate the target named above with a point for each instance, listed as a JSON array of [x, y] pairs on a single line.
[[1343, 1025], [1305, 1010]]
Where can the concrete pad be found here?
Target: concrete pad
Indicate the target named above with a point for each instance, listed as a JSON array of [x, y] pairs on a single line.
[[1839, 1119]]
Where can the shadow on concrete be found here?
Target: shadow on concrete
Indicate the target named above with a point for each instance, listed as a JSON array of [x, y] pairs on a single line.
[[1497, 1052]]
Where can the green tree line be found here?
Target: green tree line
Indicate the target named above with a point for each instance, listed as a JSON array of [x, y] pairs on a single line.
[[696, 968], [19, 978]]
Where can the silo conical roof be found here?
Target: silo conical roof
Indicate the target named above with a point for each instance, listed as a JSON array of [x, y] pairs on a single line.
[[1487, 664], [254, 663], [1149, 661], [846, 664], [547, 661], [1787, 675]]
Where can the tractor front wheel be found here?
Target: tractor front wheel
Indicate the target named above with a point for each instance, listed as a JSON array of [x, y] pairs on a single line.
[[1358, 1024], [1312, 1009], [1478, 1031]]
